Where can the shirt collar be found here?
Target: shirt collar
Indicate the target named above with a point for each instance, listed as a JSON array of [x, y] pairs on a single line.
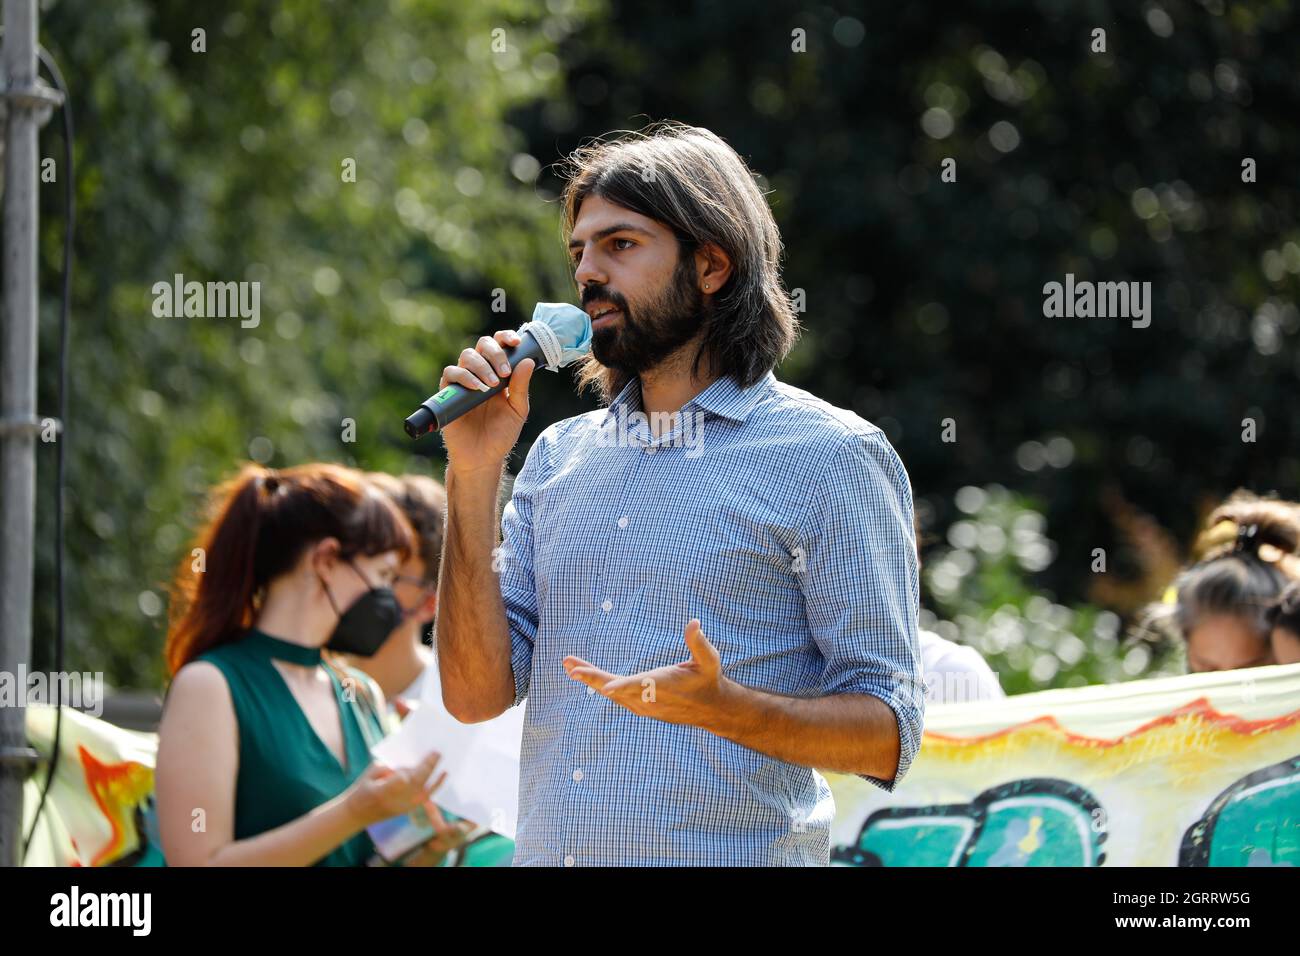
[[627, 400], [723, 398], [726, 399]]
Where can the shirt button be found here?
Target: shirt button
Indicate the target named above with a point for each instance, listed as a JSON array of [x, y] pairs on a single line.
[[577, 776], [622, 522], [607, 606], [590, 689], [651, 449], [568, 861]]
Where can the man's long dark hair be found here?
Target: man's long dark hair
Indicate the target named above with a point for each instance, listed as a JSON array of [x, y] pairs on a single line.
[[690, 181]]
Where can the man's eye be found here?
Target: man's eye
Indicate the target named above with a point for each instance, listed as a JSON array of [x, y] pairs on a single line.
[[628, 241]]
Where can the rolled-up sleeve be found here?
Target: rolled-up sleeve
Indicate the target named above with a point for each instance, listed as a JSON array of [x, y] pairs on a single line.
[[515, 567], [861, 585]]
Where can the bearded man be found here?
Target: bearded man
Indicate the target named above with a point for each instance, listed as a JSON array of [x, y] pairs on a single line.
[[695, 625]]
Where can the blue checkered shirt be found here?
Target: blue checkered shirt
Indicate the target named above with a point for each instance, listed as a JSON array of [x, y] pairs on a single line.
[[780, 521]]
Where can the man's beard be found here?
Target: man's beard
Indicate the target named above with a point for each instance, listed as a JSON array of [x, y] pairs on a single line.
[[639, 341]]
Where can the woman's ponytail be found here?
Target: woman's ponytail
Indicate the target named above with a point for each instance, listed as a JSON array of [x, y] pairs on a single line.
[[214, 587]]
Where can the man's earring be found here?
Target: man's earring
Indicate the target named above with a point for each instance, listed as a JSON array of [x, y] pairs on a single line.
[[706, 287]]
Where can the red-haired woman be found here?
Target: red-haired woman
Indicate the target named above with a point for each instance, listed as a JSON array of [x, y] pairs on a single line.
[[263, 755]]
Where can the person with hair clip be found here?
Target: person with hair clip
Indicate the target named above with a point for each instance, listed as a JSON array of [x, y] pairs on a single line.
[[263, 755], [1284, 626], [1221, 603]]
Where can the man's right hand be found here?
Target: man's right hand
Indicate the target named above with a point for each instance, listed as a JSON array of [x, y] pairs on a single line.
[[483, 437]]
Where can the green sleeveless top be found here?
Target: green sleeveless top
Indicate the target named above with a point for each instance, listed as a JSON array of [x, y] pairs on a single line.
[[285, 769]]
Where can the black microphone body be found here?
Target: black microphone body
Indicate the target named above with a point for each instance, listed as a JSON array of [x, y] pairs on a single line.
[[441, 409]]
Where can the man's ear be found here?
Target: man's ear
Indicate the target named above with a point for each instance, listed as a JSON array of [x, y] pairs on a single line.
[[713, 268]]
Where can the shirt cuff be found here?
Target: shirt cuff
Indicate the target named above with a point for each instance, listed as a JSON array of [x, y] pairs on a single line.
[[521, 664], [910, 723], [521, 618]]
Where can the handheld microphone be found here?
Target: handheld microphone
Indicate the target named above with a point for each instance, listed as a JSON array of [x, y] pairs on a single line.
[[558, 335]]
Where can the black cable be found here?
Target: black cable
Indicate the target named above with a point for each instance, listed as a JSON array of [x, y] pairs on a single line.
[[69, 202]]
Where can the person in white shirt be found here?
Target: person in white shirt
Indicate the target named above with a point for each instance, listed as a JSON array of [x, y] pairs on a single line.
[[955, 673]]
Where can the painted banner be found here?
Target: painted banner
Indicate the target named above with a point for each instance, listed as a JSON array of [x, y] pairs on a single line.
[[99, 808], [1198, 770]]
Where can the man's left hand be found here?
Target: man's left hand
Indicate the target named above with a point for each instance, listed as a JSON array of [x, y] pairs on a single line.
[[687, 693]]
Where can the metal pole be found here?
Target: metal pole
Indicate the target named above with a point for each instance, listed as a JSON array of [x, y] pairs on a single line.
[[18, 422]]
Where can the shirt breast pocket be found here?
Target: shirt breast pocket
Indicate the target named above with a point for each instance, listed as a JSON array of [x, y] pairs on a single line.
[[741, 573], [571, 529]]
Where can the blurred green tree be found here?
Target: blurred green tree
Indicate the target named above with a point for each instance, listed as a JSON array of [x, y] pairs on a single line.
[[981, 592], [226, 156], [925, 297]]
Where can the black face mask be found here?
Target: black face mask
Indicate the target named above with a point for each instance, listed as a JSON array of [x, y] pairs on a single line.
[[363, 627]]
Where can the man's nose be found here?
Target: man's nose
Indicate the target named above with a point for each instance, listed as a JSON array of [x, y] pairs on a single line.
[[589, 271]]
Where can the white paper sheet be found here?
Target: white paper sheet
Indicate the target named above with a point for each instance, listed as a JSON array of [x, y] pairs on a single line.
[[481, 760]]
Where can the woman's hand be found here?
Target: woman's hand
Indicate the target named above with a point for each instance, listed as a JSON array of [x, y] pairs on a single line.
[[383, 792], [447, 837]]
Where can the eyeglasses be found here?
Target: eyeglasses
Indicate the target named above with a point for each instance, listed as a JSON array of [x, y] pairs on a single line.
[[420, 583]]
